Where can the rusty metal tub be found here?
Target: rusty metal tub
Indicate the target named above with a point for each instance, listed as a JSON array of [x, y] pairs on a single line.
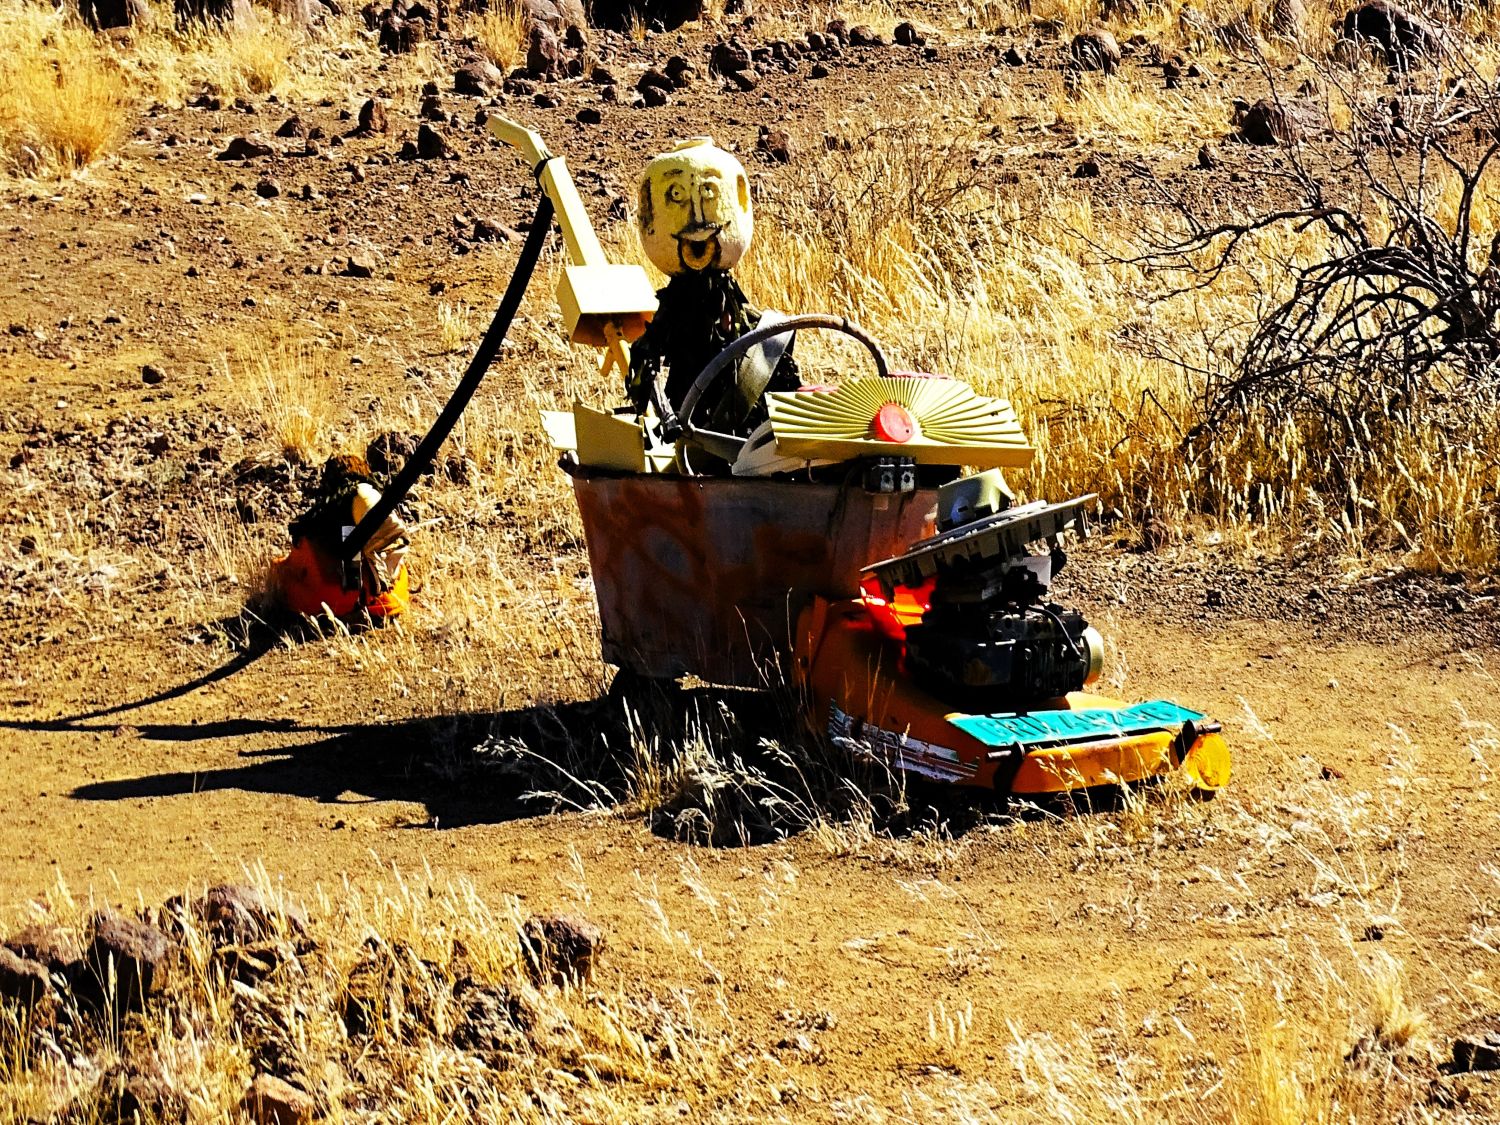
[[704, 576]]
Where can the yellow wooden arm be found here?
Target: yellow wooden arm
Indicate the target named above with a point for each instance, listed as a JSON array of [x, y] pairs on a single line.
[[602, 304]]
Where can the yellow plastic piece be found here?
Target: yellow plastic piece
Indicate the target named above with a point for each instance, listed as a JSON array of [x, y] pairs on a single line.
[[1207, 762], [595, 299], [1062, 768], [954, 426], [608, 441]]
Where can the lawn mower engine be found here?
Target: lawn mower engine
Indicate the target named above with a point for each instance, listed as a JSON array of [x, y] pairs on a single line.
[[989, 637]]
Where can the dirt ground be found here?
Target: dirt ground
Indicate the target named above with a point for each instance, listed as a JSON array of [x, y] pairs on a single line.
[[148, 745]]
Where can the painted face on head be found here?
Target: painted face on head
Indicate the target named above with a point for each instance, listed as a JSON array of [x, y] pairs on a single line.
[[694, 210]]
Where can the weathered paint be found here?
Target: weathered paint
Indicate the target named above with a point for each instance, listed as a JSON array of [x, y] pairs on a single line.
[[705, 576]]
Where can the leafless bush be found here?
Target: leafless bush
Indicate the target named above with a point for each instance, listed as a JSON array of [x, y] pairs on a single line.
[[1393, 316]]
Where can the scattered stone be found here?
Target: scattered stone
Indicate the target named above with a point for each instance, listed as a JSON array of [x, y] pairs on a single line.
[[654, 78], [249, 147], [1267, 122], [267, 188], [122, 960], [390, 450], [432, 108], [544, 55], [863, 35], [274, 1101], [292, 127], [745, 80], [372, 119], [152, 376], [557, 16], [729, 58], [359, 265], [544, 100], [1087, 170], [589, 115], [838, 31], [908, 34], [52, 946], [478, 79], [601, 75], [681, 72], [653, 96], [493, 1020], [561, 948], [775, 143], [819, 70], [1208, 158], [1477, 1046], [610, 94], [1013, 57], [430, 143], [22, 980], [1095, 50], [1401, 37], [493, 230], [399, 36]]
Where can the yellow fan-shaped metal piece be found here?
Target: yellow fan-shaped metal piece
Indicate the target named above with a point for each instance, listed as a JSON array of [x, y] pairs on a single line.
[[954, 426]]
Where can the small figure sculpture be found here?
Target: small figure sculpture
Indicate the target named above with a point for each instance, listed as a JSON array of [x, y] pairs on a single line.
[[312, 579], [696, 220]]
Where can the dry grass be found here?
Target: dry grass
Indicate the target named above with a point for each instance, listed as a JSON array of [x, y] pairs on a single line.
[[66, 94], [62, 98], [295, 397], [411, 999], [501, 31]]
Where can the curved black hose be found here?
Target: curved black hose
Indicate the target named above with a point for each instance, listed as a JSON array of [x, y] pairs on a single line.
[[743, 344], [489, 347]]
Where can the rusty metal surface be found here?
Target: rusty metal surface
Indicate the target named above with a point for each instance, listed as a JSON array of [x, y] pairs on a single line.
[[704, 575]]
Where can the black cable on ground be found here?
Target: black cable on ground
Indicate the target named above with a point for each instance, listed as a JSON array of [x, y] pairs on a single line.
[[489, 348]]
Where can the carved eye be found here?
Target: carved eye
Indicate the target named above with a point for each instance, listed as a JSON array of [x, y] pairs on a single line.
[[676, 194], [709, 191]]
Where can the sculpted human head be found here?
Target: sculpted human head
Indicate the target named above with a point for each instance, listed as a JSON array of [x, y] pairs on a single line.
[[694, 209]]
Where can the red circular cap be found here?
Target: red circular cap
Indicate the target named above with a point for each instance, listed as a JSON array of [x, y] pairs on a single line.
[[893, 422]]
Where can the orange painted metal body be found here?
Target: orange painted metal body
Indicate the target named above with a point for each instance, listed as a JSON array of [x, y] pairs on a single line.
[[856, 692], [706, 576], [307, 581]]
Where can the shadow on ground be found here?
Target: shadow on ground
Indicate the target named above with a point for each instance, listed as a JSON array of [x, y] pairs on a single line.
[[712, 766]]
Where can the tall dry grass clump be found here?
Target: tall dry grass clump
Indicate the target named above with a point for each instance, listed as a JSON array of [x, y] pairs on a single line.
[[62, 98], [501, 30]]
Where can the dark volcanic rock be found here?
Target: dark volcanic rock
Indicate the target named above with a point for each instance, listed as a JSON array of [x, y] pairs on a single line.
[[732, 57], [1268, 122], [372, 119], [249, 147], [776, 143], [561, 948], [478, 79], [1095, 50], [22, 980], [544, 55], [122, 960], [1401, 37], [430, 143]]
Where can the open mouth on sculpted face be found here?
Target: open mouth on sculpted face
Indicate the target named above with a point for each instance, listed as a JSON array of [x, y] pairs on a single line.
[[698, 248]]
